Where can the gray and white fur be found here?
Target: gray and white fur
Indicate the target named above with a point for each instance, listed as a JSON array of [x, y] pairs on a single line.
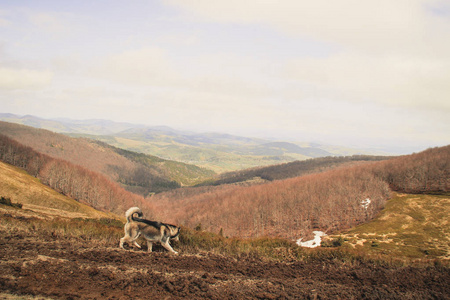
[[152, 231]]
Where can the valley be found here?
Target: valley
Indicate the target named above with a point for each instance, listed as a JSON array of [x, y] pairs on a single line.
[[63, 201], [214, 151]]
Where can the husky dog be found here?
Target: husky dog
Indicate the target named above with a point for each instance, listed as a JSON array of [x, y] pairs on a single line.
[[152, 231]]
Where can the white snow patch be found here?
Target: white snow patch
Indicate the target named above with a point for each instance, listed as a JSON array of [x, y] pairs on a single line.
[[365, 203], [314, 242]]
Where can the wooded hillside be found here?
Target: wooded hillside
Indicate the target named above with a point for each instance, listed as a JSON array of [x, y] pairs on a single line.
[[292, 208], [139, 173], [292, 169], [71, 180]]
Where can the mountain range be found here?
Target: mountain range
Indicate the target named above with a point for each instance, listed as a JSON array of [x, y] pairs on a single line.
[[216, 151]]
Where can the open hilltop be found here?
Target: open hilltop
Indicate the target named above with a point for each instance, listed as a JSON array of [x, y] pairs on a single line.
[[62, 258]]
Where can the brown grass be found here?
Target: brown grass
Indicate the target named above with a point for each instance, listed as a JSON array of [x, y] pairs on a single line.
[[20, 187], [414, 226]]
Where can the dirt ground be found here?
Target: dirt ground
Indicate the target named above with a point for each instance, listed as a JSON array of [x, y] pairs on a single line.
[[48, 267]]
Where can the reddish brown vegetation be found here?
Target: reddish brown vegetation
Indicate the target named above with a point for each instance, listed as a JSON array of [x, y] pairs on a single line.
[[424, 172], [294, 207], [289, 208], [294, 169], [75, 181], [133, 173]]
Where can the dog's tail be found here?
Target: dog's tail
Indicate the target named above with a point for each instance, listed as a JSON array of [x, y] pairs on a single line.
[[131, 211]]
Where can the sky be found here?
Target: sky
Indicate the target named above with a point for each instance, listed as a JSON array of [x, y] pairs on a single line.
[[360, 73]]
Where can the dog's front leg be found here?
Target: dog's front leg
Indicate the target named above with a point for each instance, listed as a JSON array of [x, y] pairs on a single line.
[[168, 247], [150, 246]]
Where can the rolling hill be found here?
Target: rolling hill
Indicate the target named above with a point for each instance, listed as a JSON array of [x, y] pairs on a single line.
[[139, 173], [300, 197], [323, 193], [290, 170], [292, 208], [56, 247], [215, 151]]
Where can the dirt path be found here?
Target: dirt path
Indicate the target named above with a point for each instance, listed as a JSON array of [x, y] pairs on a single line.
[[72, 269]]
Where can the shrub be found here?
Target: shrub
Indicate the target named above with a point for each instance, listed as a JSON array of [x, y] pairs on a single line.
[[7, 201], [337, 242]]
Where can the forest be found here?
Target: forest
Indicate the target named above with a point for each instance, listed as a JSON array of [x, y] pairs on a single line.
[[325, 193], [80, 183], [292, 169], [293, 207]]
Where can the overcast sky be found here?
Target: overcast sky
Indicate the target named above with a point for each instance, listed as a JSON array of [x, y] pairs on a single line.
[[347, 72]]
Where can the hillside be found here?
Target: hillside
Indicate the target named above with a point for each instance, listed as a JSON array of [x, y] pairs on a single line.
[[414, 226], [75, 260], [294, 207], [53, 251], [142, 174], [290, 170], [215, 151], [62, 258], [22, 188], [325, 193], [72, 180]]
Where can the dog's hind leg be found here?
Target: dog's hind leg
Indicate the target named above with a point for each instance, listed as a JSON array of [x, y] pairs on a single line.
[[130, 237], [125, 239], [135, 238]]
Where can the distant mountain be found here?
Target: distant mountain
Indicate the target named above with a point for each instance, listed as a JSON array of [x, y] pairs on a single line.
[[137, 172], [216, 151], [313, 151], [93, 126]]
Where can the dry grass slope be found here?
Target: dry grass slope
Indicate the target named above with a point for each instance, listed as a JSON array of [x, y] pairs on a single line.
[[414, 226], [20, 187]]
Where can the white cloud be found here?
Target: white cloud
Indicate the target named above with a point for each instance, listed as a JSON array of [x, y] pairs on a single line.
[[391, 52], [12, 79], [47, 21], [4, 21], [410, 82], [147, 66], [368, 25], [214, 75], [320, 68]]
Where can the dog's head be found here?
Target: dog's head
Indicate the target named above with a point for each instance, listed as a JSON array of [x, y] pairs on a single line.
[[175, 233]]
